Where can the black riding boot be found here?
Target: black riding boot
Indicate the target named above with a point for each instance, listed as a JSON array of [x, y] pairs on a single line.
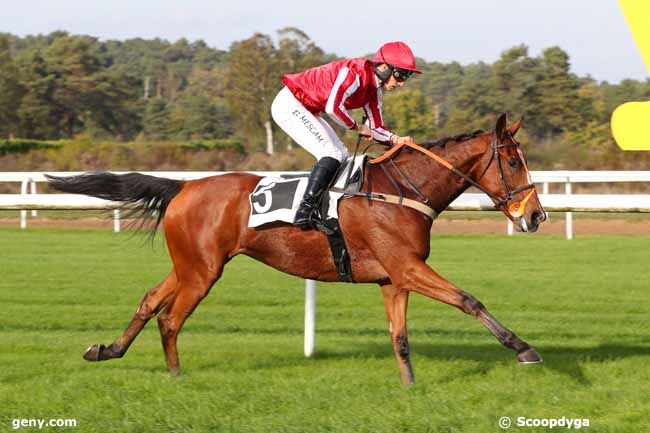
[[319, 178]]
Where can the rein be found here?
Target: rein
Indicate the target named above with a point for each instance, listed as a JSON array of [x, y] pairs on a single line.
[[515, 209]]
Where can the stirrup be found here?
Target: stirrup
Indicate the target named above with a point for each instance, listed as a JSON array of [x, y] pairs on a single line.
[[306, 223], [322, 226]]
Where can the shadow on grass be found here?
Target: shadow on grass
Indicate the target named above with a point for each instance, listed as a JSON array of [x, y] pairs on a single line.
[[563, 359]]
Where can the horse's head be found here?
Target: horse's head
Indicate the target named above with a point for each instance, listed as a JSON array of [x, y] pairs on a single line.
[[506, 178]]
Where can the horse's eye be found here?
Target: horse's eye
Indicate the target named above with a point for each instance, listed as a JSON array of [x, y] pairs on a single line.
[[513, 162]]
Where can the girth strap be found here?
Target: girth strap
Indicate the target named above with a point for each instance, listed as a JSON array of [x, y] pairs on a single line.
[[340, 255]]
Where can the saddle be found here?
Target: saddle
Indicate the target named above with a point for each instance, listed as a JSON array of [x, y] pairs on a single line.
[[276, 199]]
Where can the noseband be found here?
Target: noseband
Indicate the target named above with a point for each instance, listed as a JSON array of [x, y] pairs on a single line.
[[515, 209]]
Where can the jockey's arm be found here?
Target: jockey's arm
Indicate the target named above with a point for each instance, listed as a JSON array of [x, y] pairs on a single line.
[[366, 132], [374, 125]]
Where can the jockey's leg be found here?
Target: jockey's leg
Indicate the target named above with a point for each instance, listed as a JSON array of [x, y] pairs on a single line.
[[335, 148], [319, 178], [317, 137]]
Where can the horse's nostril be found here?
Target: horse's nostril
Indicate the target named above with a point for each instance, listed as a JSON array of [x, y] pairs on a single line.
[[537, 217]]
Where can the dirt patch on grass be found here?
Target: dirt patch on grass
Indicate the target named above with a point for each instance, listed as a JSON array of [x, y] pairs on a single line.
[[552, 227], [555, 226]]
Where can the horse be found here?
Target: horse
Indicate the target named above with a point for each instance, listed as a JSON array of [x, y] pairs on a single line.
[[205, 226]]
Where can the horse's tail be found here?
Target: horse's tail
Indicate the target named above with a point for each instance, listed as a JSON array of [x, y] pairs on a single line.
[[145, 194]]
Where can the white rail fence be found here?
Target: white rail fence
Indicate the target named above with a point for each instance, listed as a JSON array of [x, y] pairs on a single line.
[[29, 199]]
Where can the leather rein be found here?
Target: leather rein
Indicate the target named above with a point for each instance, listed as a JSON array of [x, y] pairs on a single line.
[[515, 209]]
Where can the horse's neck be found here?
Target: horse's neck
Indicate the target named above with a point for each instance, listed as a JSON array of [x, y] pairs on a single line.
[[439, 184]]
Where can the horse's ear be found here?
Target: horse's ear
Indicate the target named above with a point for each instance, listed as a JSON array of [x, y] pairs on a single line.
[[515, 126], [500, 130]]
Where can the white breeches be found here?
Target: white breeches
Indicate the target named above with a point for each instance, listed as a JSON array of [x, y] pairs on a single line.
[[311, 132]]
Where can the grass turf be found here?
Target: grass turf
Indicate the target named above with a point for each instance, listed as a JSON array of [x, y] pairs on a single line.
[[583, 304]]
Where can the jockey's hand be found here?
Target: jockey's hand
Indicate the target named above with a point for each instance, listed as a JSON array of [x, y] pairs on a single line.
[[397, 140], [364, 131]]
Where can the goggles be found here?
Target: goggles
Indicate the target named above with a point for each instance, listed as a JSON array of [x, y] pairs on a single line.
[[401, 75]]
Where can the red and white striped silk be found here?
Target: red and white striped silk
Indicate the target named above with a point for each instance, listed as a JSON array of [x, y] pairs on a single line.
[[340, 86], [375, 119], [345, 85]]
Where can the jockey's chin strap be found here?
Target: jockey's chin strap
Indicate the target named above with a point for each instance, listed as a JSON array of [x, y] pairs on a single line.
[[515, 209]]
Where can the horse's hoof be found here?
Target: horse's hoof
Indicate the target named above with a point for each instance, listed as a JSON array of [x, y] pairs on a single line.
[[93, 352], [529, 356]]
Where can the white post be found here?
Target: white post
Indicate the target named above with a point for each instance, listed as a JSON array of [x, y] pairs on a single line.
[[310, 317], [116, 220], [33, 191], [569, 215], [545, 190], [23, 213], [269, 137]]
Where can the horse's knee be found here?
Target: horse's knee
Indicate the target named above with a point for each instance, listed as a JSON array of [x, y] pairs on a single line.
[[144, 312]]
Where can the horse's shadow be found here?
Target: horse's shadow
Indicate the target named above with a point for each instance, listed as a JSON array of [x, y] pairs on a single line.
[[563, 359]]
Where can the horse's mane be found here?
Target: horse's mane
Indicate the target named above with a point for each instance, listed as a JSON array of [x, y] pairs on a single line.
[[460, 137]]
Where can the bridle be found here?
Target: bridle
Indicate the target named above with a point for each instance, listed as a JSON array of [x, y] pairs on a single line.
[[515, 209]]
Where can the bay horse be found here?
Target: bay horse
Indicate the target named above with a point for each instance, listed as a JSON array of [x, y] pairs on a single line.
[[205, 225]]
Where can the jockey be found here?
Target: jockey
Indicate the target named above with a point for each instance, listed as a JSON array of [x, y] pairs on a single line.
[[335, 88]]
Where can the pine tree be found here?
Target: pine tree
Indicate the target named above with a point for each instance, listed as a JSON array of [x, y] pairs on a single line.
[[70, 60], [156, 119], [515, 77], [11, 91], [558, 94], [253, 79], [40, 116]]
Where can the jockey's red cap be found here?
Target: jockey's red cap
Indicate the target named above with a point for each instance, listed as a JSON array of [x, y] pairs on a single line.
[[397, 54]]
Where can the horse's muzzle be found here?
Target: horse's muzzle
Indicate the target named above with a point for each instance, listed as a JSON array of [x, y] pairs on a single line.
[[536, 218]]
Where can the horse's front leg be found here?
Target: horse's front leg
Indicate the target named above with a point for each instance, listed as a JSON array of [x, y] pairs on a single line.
[[396, 301], [415, 275]]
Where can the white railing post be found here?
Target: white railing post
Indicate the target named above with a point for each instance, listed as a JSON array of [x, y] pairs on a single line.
[[32, 190], [310, 317], [569, 215], [23, 213], [545, 190], [116, 220]]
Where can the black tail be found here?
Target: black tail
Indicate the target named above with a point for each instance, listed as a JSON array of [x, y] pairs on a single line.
[[144, 193]]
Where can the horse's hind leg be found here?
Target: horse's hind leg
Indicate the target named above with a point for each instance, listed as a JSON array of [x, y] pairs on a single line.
[[396, 302], [189, 293], [151, 304], [422, 279], [174, 315]]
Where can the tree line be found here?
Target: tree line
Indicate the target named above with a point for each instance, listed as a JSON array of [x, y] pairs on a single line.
[[57, 86]]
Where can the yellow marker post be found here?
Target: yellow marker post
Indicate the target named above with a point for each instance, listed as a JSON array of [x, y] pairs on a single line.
[[631, 121]]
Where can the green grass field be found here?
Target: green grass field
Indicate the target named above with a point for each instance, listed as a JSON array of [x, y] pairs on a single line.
[[583, 304]]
